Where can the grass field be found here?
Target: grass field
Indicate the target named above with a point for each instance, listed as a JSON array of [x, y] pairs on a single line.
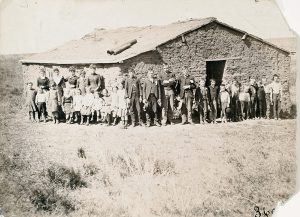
[[211, 170]]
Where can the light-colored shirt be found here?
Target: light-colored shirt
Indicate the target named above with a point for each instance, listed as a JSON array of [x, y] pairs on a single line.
[[121, 99], [268, 88], [224, 97], [41, 97], [276, 87], [234, 90]]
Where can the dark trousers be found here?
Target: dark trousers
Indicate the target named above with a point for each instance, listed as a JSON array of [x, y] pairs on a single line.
[[203, 107], [135, 108], [213, 108], [268, 105], [151, 110], [261, 106], [253, 106], [235, 108], [168, 106], [41, 106], [276, 105], [186, 109]]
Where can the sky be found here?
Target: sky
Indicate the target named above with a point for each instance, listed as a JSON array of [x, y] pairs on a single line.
[[30, 26]]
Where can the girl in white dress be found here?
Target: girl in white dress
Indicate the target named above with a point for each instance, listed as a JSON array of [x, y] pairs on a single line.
[[122, 106], [77, 104]]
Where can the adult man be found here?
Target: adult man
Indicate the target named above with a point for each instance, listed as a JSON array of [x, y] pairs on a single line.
[[268, 96], [167, 79], [151, 97], [187, 85], [213, 97], [276, 96], [95, 81], [253, 98], [133, 93]]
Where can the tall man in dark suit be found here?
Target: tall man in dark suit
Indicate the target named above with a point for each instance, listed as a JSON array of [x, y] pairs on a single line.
[[151, 97], [168, 82], [187, 85], [134, 93]]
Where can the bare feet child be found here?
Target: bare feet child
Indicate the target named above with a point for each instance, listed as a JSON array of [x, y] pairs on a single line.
[[30, 101]]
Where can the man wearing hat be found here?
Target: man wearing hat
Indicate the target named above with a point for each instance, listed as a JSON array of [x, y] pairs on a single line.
[[168, 82], [95, 81], [133, 93]]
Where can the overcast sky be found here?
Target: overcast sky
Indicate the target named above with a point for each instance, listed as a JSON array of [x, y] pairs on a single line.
[[29, 26]]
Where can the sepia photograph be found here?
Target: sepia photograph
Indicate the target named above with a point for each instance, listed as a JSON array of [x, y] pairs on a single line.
[[139, 108]]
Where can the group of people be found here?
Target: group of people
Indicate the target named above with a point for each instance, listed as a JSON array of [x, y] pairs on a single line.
[[158, 99]]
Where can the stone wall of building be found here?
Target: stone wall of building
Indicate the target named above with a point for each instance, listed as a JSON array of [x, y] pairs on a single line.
[[244, 58]]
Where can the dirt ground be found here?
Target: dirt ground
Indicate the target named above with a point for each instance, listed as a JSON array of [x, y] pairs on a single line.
[[201, 170]]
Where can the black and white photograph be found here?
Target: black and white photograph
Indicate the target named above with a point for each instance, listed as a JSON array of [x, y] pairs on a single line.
[[139, 108]]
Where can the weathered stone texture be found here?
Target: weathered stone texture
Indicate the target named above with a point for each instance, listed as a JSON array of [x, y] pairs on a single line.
[[246, 58]]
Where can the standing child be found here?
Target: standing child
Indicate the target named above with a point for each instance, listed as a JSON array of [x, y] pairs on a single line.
[[261, 99], [53, 102], [201, 95], [224, 98], [77, 104], [30, 101], [122, 105], [87, 103], [244, 98], [114, 104], [276, 88], [67, 105], [97, 106], [40, 100], [106, 108]]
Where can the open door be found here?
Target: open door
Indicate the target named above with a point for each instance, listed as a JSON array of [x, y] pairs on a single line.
[[215, 70]]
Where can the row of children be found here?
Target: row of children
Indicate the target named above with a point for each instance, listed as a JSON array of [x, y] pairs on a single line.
[[158, 95]]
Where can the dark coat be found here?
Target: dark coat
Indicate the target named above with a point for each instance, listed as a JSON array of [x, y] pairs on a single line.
[[129, 83], [183, 81], [148, 86]]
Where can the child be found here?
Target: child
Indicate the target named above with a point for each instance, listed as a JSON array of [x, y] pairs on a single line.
[[53, 102], [106, 108], [40, 100], [97, 105], [261, 100], [201, 100], [87, 102], [276, 88], [224, 98], [122, 105], [30, 101], [82, 82], [77, 104], [114, 104], [67, 105], [244, 98]]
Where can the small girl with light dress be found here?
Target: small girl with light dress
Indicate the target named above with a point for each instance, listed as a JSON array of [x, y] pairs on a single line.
[[97, 106], [122, 105], [87, 103], [106, 108], [77, 104]]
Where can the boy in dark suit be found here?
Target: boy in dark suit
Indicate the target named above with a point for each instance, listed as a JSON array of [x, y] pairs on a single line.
[[201, 99], [133, 93], [187, 85], [151, 97], [213, 95]]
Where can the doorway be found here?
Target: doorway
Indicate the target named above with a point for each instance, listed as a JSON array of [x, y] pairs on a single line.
[[215, 70]]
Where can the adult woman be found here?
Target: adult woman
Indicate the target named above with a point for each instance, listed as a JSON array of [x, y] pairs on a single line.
[[59, 82], [42, 81]]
